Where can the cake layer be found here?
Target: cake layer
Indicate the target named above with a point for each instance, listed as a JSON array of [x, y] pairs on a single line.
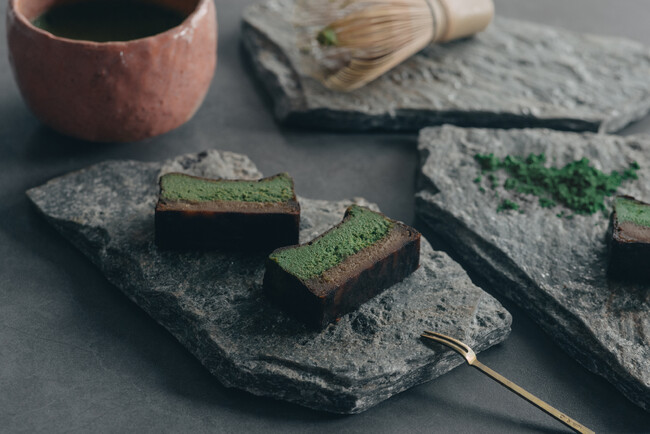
[[200, 213], [361, 229], [180, 186], [629, 240], [364, 254]]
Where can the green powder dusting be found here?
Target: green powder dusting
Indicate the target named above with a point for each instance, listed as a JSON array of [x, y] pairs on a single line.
[[578, 186], [628, 210], [176, 186], [494, 181], [363, 229], [327, 37], [507, 205]]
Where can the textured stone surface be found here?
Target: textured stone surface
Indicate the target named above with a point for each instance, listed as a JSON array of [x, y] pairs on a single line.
[[553, 268], [515, 74], [214, 305]]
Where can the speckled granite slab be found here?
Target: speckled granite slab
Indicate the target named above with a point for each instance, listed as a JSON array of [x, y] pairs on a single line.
[[516, 74], [553, 268], [214, 305]]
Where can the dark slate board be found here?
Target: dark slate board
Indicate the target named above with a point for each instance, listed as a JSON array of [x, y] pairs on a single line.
[[515, 74], [214, 305], [554, 268]]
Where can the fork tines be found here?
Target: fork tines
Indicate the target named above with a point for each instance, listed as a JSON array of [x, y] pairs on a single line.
[[452, 343]]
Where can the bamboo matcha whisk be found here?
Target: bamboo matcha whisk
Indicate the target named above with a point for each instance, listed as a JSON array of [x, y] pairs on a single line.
[[377, 35]]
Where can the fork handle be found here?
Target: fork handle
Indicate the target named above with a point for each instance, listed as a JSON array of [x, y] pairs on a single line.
[[552, 411]]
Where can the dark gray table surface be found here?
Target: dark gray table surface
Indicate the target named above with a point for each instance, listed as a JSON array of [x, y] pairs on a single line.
[[77, 356]]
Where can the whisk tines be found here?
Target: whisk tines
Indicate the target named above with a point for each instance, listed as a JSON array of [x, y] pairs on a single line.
[[377, 35], [366, 38]]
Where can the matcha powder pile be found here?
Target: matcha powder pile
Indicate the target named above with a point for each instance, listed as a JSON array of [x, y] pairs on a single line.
[[578, 186]]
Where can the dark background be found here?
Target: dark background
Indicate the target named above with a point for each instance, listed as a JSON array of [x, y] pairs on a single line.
[[77, 356]]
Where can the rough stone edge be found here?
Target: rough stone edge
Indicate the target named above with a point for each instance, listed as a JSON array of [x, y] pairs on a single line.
[[503, 275], [212, 355], [290, 108]]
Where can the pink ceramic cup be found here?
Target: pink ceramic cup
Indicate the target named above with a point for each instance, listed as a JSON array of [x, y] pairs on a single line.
[[114, 91]]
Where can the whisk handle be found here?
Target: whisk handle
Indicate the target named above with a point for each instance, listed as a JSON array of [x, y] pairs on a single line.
[[455, 19]]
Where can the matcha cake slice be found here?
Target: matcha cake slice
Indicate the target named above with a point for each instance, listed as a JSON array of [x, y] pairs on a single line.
[[201, 213], [629, 240], [342, 268]]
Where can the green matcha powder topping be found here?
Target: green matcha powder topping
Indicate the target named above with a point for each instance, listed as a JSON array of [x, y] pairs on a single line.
[[578, 186], [508, 205], [362, 230], [631, 211], [327, 37], [176, 186]]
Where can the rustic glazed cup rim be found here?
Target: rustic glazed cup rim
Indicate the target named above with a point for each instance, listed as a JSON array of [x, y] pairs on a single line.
[[198, 11]]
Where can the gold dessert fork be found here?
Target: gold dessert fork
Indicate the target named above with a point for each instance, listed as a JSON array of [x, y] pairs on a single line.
[[470, 356]]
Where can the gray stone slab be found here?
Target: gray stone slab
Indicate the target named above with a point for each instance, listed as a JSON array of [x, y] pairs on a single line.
[[515, 74], [214, 305], [554, 268]]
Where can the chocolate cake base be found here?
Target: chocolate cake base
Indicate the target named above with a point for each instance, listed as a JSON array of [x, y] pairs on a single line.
[[237, 225], [342, 289]]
